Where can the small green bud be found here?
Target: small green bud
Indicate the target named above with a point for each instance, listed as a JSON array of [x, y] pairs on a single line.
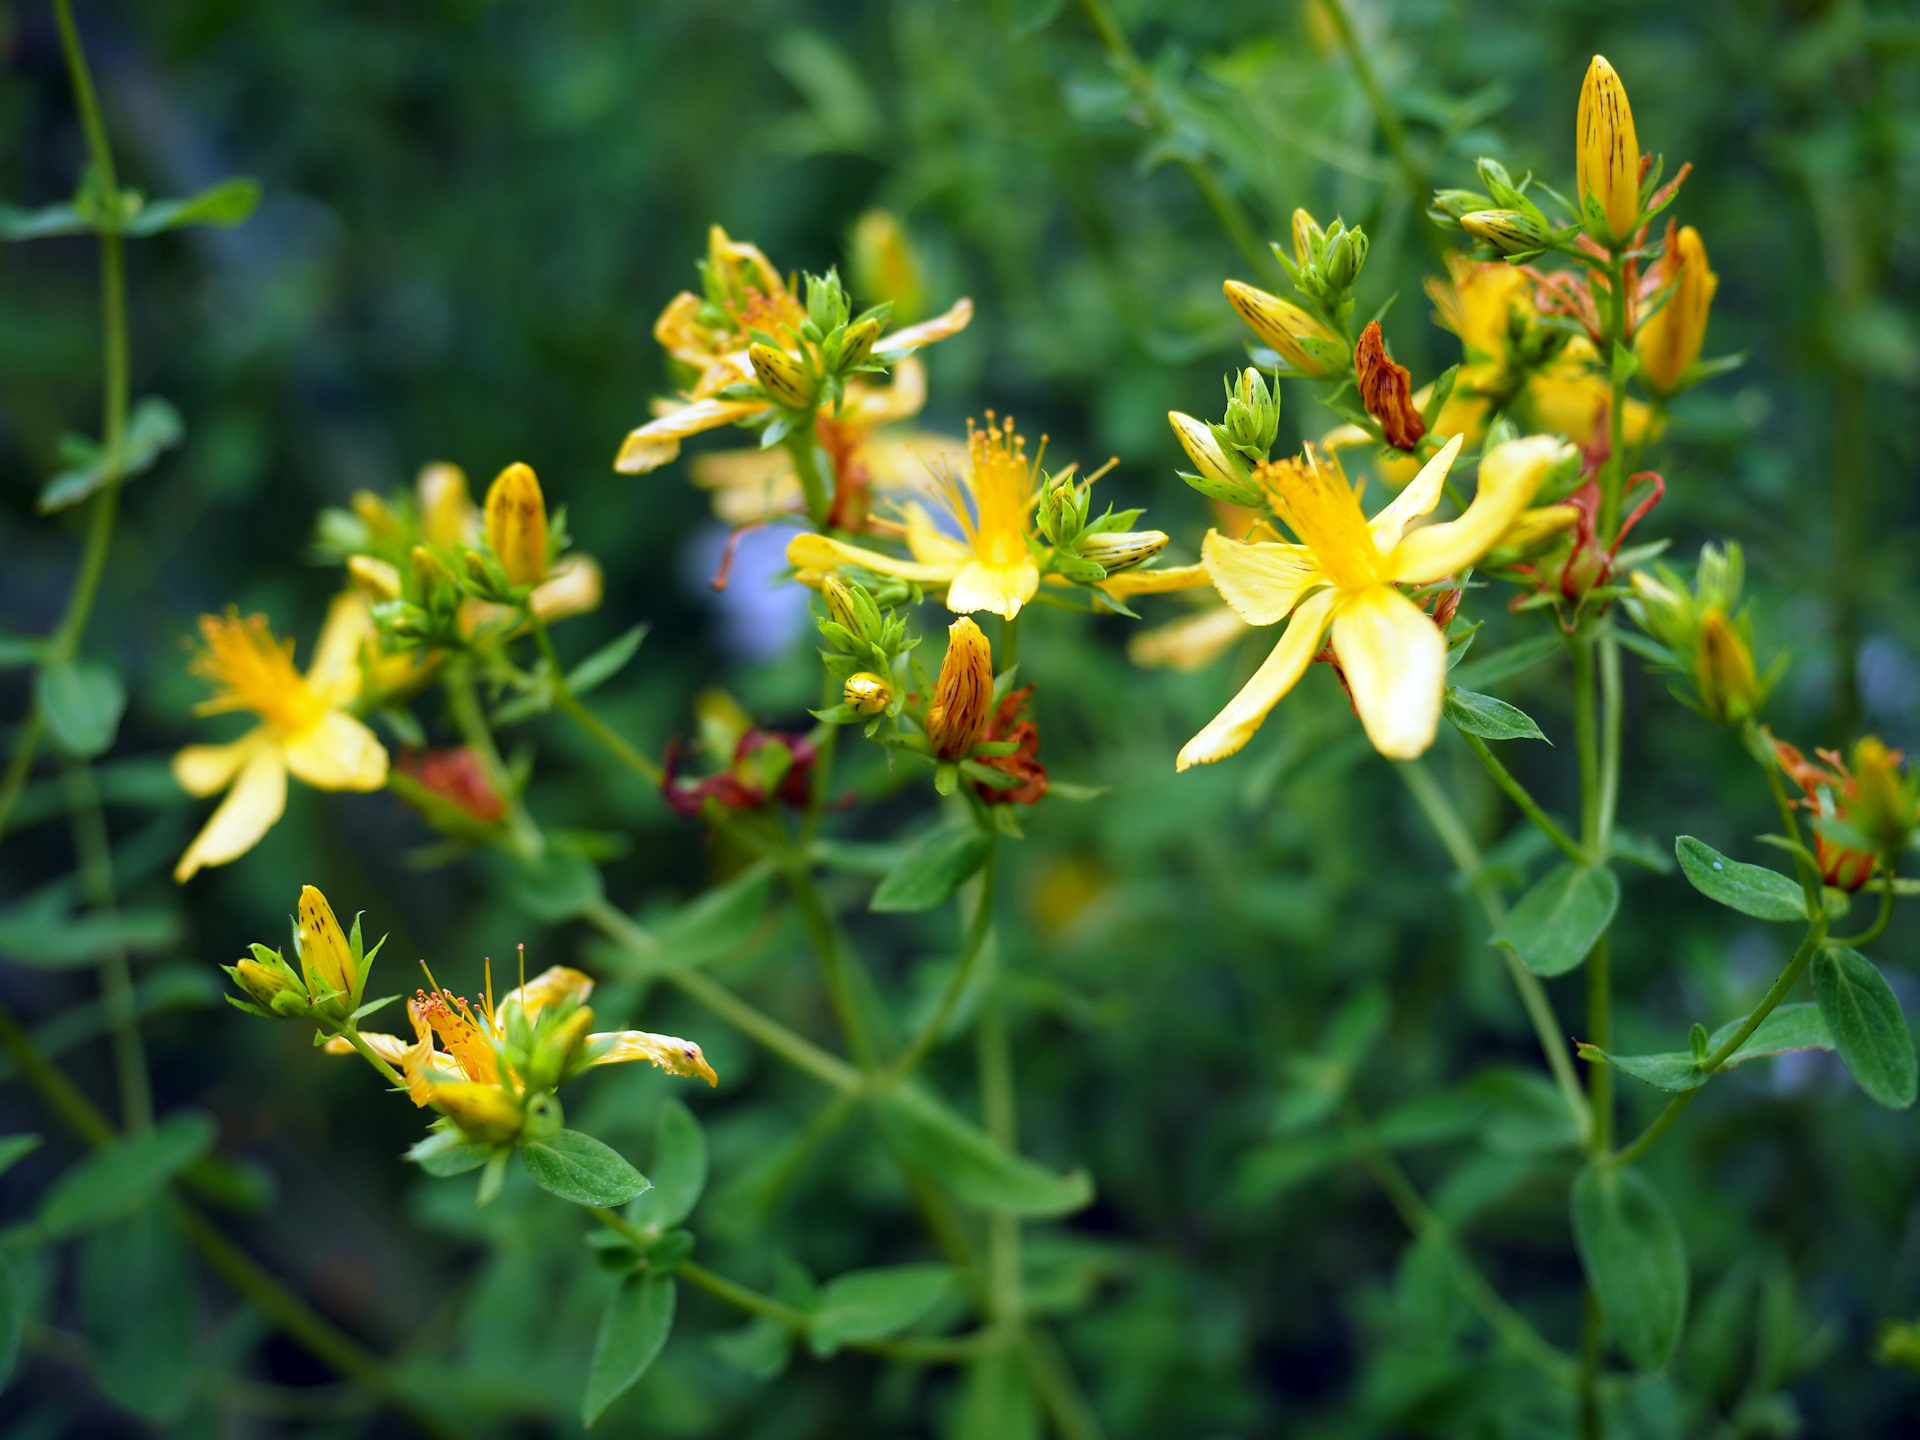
[[826, 301], [1253, 414], [857, 344]]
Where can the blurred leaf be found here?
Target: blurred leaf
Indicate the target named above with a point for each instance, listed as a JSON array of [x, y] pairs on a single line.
[[136, 1307], [718, 922], [842, 114], [678, 1171], [14, 1148], [1501, 664], [114, 1182], [1635, 1259], [232, 1182], [1487, 717], [1526, 1114], [47, 221], [936, 866], [41, 933], [1646, 853], [997, 1400], [606, 662], [153, 426], [873, 1304], [447, 1152], [1030, 17], [762, 1348], [633, 1327], [13, 1316], [971, 1163], [19, 651], [580, 1168], [1868, 1026], [1556, 922], [1789, 1027], [83, 703], [1751, 889], [1267, 1171], [558, 885], [226, 204]]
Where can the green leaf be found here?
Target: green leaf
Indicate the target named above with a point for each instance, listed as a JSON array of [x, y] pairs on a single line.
[[761, 1348], [997, 1400], [579, 1168], [1487, 717], [19, 651], [606, 662], [13, 1316], [45, 936], [448, 1152], [558, 885], [1648, 854], [873, 1304], [83, 703], [136, 1307], [1868, 1026], [933, 869], [1751, 889], [226, 204], [1526, 1113], [678, 1171], [1789, 1027], [633, 1327], [41, 224], [113, 1183], [1556, 922], [1635, 1259], [153, 426], [1486, 669], [13, 1148], [971, 1163], [719, 922]]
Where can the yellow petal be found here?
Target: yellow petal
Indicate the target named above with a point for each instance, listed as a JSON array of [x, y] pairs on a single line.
[[334, 675], [337, 752], [870, 404], [1262, 580], [929, 545], [257, 799], [1191, 643], [549, 987], [820, 552], [658, 441], [204, 769], [483, 1112], [1002, 589], [1395, 659], [517, 524], [573, 588], [1417, 500], [902, 342], [1234, 726], [669, 1052], [390, 1048], [1509, 476], [1156, 582]]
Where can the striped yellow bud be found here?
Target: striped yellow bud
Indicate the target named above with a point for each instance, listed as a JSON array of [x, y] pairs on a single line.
[[867, 693], [784, 377], [1302, 341], [377, 579], [1607, 166], [963, 696], [857, 344], [1121, 550], [1670, 341], [446, 510], [1511, 232], [325, 956], [840, 606], [1885, 808], [1306, 231], [1723, 670], [517, 524]]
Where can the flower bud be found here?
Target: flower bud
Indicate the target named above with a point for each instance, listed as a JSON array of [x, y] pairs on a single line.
[[377, 579], [270, 982], [1114, 551], [376, 515], [842, 607], [325, 957], [1669, 341], [963, 696], [1607, 167], [1062, 512], [826, 301], [1253, 414], [1221, 476], [1386, 390], [885, 267], [430, 572], [1511, 232], [1723, 672], [517, 525], [784, 376], [1308, 238], [857, 343], [446, 510], [1302, 341], [483, 1112], [1884, 810], [1345, 256], [867, 693]]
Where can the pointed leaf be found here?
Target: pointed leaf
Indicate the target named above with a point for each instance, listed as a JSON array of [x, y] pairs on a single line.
[[1790, 1027], [873, 1304], [1486, 669], [579, 1168], [153, 426], [1487, 717], [1556, 922], [1751, 889], [448, 1152], [1635, 1259], [717, 923], [48, 220], [606, 662], [136, 1306], [15, 1147], [678, 1171], [82, 703], [933, 869], [226, 204], [1868, 1026], [971, 1163], [633, 1327], [118, 1180]]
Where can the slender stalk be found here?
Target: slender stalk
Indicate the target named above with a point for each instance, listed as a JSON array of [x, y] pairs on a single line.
[[463, 704], [1529, 807], [834, 971], [1384, 115], [1883, 918], [354, 1038], [1059, 1393], [1592, 1352], [1586, 740], [1612, 703], [998, 1110], [116, 975], [1613, 473], [816, 484], [1440, 813], [568, 704], [975, 944]]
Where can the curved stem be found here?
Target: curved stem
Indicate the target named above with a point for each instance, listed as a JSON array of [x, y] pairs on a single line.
[[568, 704], [976, 943], [1881, 920], [116, 974], [463, 704], [353, 1037], [816, 484], [1517, 793]]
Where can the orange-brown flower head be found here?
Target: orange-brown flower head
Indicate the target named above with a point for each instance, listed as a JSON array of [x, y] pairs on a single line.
[[963, 696], [517, 524], [1386, 390], [1832, 794]]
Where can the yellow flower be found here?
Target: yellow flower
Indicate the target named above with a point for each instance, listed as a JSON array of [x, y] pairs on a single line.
[[305, 727], [1669, 342], [517, 524], [711, 337], [1607, 161], [1343, 576], [323, 951]]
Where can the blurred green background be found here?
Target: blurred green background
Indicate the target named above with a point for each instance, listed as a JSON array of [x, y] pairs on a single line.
[[474, 210]]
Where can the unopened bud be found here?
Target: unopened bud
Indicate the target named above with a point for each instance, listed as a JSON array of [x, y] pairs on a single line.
[[1122, 550], [784, 376], [1723, 671], [377, 579], [1302, 341], [270, 982], [963, 695], [1607, 165], [1885, 808], [446, 510], [430, 572], [1669, 340], [867, 693], [857, 344], [483, 1112], [1308, 238], [1063, 512], [826, 301], [1221, 476], [885, 267], [1345, 256], [1253, 414], [376, 515], [841, 608], [325, 957], [517, 525], [1511, 232]]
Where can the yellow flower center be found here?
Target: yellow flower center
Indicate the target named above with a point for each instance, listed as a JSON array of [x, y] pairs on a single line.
[[467, 1036], [251, 670], [1312, 495], [1000, 485]]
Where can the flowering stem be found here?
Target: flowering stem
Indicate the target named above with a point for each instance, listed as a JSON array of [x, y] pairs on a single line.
[[802, 444], [1384, 115], [116, 975], [105, 506], [1517, 793], [1614, 471], [352, 1036], [1810, 877], [975, 945], [1883, 918], [1440, 813], [464, 705]]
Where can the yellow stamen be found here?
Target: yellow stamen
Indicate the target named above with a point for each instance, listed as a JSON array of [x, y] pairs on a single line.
[[253, 671], [1312, 495]]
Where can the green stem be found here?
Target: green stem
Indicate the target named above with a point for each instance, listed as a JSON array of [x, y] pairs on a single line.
[[1613, 473], [1612, 700], [354, 1038], [999, 1111], [116, 975], [1586, 740], [803, 447], [1384, 115], [1883, 918], [1466, 858], [1059, 1392], [1517, 793], [834, 970], [568, 704], [973, 947], [463, 704], [1811, 880]]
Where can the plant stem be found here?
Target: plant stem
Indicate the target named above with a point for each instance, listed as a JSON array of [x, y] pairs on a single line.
[[565, 701], [1440, 813], [463, 704], [1612, 702], [975, 944], [1517, 793], [802, 445], [1613, 473], [1059, 1392], [834, 971], [1882, 919], [116, 975], [1384, 115]]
